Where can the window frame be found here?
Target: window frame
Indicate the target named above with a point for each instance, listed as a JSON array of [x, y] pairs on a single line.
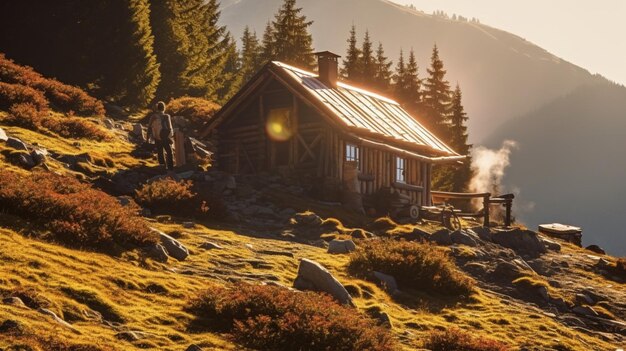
[[352, 154], [400, 169]]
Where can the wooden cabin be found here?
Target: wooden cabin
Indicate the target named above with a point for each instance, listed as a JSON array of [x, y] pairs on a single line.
[[302, 124]]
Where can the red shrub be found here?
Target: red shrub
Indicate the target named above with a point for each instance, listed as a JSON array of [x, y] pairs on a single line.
[[11, 94], [26, 116], [196, 111], [273, 318], [415, 265], [75, 213], [168, 196], [457, 340], [61, 96]]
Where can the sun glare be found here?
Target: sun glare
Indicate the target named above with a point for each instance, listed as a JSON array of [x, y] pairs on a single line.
[[278, 124]]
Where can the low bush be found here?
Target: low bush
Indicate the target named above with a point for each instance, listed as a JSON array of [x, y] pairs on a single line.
[[420, 266], [196, 111], [273, 318], [11, 94], [168, 196], [28, 116], [62, 97], [383, 224], [76, 214], [619, 268], [458, 340]]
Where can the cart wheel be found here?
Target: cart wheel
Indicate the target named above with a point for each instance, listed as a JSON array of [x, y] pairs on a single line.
[[414, 212]]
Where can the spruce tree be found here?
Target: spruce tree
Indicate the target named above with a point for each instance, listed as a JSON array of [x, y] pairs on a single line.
[[268, 51], [181, 46], [217, 50], [250, 54], [436, 97], [407, 84], [382, 77], [292, 43], [231, 73], [458, 129], [351, 64], [399, 78], [367, 61]]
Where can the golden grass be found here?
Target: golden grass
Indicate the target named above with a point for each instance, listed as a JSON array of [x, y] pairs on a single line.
[[124, 286]]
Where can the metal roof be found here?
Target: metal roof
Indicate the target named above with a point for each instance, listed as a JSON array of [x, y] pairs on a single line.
[[363, 110]]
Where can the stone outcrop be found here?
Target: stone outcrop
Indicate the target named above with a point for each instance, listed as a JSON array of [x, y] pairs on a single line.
[[313, 276]]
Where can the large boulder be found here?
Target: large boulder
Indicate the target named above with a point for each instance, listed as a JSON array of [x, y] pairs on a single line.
[[174, 247], [307, 218], [313, 276], [464, 237], [138, 132], [521, 241], [158, 253], [387, 281], [341, 246], [511, 270], [441, 237]]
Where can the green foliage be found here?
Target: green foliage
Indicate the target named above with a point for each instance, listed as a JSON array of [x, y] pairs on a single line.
[[289, 39], [168, 196], [351, 64], [382, 77], [231, 74], [407, 83], [196, 111], [76, 214], [436, 97], [105, 46], [414, 265], [267, 317], [251, 52], [458, 340]]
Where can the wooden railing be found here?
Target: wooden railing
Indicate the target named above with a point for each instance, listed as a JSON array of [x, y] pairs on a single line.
[[506, 200]]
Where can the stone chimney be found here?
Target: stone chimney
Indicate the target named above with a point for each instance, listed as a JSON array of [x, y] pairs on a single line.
[[328, 68]]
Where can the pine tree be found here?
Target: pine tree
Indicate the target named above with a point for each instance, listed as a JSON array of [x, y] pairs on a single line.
[[188, 45], [382, 77], [292, 43], [436, 97], [407, 83], [217, 49], [268, 52], [231, 73], [351, 64], [368, 61], [250, 54], [458, 128]]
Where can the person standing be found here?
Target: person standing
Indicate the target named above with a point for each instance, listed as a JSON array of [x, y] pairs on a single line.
[[160, 130]]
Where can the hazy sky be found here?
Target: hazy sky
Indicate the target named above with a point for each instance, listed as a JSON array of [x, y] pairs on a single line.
[[590, 34]]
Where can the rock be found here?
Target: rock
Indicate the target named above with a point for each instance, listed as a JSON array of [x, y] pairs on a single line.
[[174, 247], [336, 246], [130, 335], [209, 246], [511, 270], [115, 111], [441, 237], [109, 123], [287, 212], [38, 156], [275, 253], [380, 316], [193, 347], [185, 175], [416, 235], [584, 299], [158, 253], [23, 160], [386, 281], [543, 292], [550, 244], [3, 135], [313, 276], [12, 326], [361, 234], [464, 237], [585, 311], [562, 231], [321, 243], [520, 241], [189, 225], [597, 249], [56, 318], [14, 301], [231, 183], [603, 264], [138, 132], [483, 233], [124, 200], [16, 143], [307, 218]]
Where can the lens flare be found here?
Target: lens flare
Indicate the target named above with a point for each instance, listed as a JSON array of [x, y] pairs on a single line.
[[278, 126]]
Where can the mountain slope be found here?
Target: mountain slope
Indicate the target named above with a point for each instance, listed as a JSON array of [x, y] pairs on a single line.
[[501, 74], [570, 162]]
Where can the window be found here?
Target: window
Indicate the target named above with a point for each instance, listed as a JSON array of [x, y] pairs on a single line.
[[400, 176], [352, 153]]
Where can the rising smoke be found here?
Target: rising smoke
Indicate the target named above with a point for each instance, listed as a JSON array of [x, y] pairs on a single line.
[[489, 166]]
